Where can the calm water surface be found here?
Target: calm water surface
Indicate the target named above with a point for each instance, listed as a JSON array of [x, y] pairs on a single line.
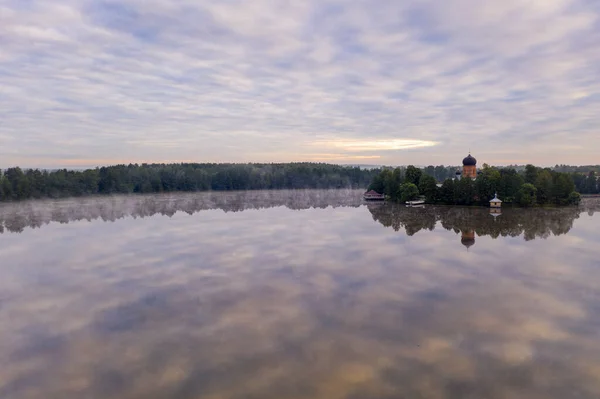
[[296, 294]]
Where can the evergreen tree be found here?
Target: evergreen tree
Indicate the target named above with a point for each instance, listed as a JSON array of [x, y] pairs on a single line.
[[428, 188], [531, 174], [392, 181], [429, 170], [544, 185], [440, 173], [19, 184], [562, 188], [447, 191], [464, 192], [591, 183], [487, 184], [527, 195], [510, 184], [378, 184]]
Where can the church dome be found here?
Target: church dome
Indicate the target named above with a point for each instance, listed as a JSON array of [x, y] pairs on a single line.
[[467, 241], [469, 161]]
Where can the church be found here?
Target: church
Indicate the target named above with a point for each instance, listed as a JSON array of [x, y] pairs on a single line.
[[469, 169]]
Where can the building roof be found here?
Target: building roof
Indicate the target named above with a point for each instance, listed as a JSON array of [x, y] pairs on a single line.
[[469, 161], [495, 199], [372, 192]]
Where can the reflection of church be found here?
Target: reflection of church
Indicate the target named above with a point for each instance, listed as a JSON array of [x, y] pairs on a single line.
[[469, 169], [467, 238], [469, 222]]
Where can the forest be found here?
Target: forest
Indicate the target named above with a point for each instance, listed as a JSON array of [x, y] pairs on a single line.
[[529, 187], [19, 184], [546, 186], [586, 183]]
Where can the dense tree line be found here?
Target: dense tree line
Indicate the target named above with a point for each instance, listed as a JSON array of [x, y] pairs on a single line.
[[584, 169], [532, 186], [546, 185], [587, 183], [18, 184], [440, 172]]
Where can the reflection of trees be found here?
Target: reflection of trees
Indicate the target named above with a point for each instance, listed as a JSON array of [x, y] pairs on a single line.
[[532, 223], [513, 222], [590, 205], [15, 217], [398, 216]]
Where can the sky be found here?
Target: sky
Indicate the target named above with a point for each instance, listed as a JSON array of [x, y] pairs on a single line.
[[86, 83]]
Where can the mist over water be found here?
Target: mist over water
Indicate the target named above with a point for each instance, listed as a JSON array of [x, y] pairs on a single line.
[[296, 294]]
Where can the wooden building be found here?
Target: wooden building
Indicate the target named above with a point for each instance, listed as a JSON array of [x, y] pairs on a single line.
[[373, 195], [495, 202]]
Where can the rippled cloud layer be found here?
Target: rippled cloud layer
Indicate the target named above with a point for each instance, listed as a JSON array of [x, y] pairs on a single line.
[[95, 82]]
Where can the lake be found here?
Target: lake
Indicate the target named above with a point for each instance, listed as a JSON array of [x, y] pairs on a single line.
[[296, 294]]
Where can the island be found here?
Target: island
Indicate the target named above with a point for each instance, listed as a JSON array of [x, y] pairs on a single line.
[[488, 186]]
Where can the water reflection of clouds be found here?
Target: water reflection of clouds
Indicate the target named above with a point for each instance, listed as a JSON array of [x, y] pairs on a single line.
[[321, 303]]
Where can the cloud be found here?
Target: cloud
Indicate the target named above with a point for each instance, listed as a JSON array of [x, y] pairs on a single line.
[[378, 145], [335, 157], [264, 81]]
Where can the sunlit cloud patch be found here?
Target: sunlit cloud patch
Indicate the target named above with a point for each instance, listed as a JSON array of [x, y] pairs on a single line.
[[378, 145], [337, 157]]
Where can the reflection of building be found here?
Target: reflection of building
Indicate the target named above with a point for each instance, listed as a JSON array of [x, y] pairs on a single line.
[[495, 212], [467, 238]]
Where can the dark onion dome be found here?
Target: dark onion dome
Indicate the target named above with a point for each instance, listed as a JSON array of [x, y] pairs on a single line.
[[469, 161], [467, 241]]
